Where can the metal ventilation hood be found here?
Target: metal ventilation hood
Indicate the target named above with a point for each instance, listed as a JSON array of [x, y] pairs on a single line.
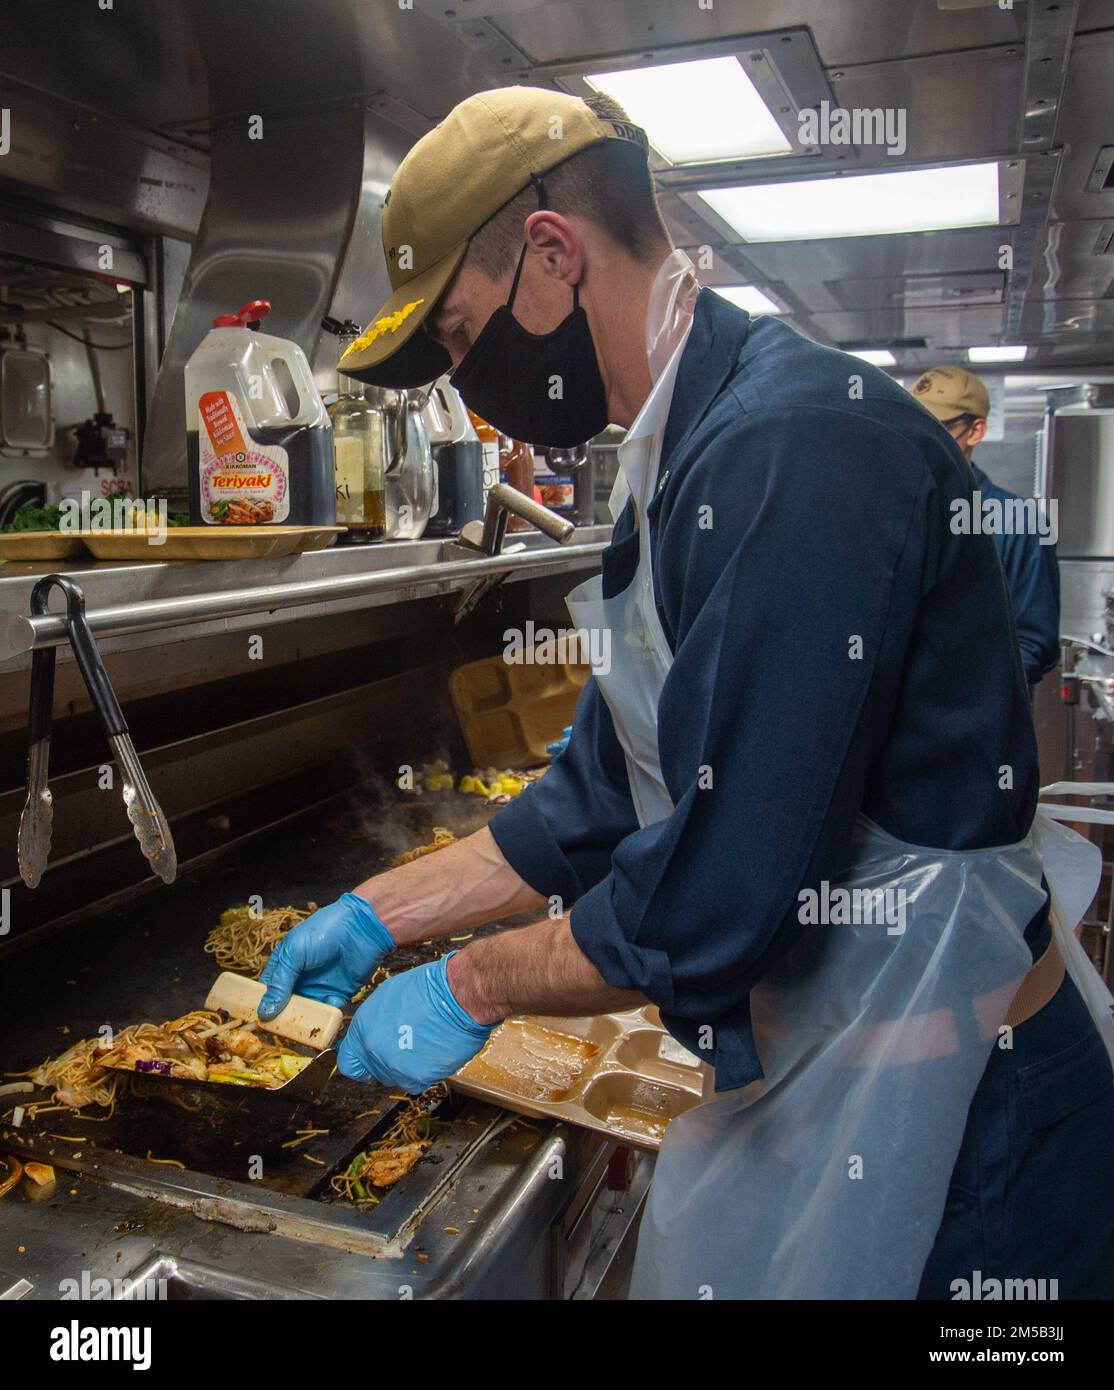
[[294, 219], [343, 86]]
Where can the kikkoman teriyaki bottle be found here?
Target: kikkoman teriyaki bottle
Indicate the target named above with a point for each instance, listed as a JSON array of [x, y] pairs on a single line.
[[258, 439]]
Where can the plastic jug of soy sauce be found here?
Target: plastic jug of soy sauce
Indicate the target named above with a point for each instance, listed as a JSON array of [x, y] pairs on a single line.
[[259, 443]]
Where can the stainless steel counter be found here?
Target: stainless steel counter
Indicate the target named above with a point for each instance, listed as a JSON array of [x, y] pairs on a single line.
[[515, 1214]]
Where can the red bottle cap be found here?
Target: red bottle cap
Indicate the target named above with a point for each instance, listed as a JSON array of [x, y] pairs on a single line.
[[254, 310], [227, 321]]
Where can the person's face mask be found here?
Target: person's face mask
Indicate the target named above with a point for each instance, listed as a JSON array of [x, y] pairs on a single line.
[[543, 388]]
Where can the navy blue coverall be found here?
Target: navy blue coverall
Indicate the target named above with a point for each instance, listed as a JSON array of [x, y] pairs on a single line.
[[830, 511]]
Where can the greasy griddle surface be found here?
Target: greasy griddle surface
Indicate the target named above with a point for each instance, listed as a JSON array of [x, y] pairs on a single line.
[[147, 963]]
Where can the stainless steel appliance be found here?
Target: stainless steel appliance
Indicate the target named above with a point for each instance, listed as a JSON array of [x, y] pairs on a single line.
[[1075, 471]]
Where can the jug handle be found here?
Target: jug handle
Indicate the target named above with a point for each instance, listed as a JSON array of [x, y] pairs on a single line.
[[399, 450], [309, 399]]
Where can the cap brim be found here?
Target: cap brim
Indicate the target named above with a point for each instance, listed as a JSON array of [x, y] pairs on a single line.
[[393, 350]]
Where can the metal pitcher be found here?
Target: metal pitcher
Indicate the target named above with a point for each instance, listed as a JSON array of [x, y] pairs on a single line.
[[409, 480]]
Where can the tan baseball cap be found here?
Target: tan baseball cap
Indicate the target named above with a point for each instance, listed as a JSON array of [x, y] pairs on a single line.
[[457, 176], [949, 392]]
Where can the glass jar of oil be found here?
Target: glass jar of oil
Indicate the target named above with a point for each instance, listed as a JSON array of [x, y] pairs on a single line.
[[359, 460]]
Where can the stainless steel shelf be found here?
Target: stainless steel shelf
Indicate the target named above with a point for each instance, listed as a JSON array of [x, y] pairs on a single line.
[[189, 599]]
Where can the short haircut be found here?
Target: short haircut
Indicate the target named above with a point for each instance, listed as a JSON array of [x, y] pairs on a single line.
[[609, 184]]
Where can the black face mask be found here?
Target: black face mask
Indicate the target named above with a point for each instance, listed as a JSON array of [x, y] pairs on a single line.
[[542, 388]]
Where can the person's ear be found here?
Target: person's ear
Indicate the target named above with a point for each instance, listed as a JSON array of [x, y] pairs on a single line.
[[977, 434], [551, 238]]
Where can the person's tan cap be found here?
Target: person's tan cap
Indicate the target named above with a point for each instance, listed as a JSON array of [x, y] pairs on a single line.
[[484, 152], [949, 392]]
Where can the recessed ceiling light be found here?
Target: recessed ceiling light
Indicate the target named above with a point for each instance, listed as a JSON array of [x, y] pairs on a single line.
[[909, 200], [997, 354], [748, 297], [878, 357], [697, 112]]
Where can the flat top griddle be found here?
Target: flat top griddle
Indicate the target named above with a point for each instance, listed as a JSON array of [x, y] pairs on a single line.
[[147, 962]]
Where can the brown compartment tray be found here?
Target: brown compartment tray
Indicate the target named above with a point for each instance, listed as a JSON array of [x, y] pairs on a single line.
[[40, 545], [508, 713], [210, 542], [619, 1074]]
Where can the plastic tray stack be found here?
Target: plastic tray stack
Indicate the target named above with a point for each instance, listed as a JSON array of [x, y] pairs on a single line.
[[179, 543], [508, 713]]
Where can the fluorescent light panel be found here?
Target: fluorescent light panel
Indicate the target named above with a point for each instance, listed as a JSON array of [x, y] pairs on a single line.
[[697, 112], [748, 297], [909, 200], [878, 357], [997, 354]]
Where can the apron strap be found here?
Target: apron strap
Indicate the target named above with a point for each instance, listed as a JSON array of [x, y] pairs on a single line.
[[1095, 815]]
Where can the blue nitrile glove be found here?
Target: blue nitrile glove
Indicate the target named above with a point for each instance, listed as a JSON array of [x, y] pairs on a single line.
[[411, 1032], [559, 744], [329, 956]]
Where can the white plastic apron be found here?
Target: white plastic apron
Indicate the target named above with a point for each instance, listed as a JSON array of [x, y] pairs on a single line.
[[828, 1178], [638, 653]]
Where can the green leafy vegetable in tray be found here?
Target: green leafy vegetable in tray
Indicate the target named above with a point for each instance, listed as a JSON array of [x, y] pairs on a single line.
[[34, 518]]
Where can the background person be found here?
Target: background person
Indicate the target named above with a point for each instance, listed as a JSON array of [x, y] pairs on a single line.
[[961, 402]]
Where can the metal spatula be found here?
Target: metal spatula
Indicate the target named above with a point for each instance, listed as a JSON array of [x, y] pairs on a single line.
[[306, 1021]]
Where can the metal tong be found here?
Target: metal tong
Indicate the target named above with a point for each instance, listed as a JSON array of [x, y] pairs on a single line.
[[144, 812]]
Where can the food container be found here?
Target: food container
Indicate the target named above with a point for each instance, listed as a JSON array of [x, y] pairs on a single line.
[[621, 1075], [210, 542], [259, 444], [40, 545]]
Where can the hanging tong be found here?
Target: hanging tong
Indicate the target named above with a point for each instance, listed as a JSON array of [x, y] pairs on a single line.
[[144, 812]]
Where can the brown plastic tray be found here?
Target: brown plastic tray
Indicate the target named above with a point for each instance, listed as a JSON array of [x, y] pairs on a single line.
[[40, 545], [210, 542], [508, 713], [621, 1075]]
